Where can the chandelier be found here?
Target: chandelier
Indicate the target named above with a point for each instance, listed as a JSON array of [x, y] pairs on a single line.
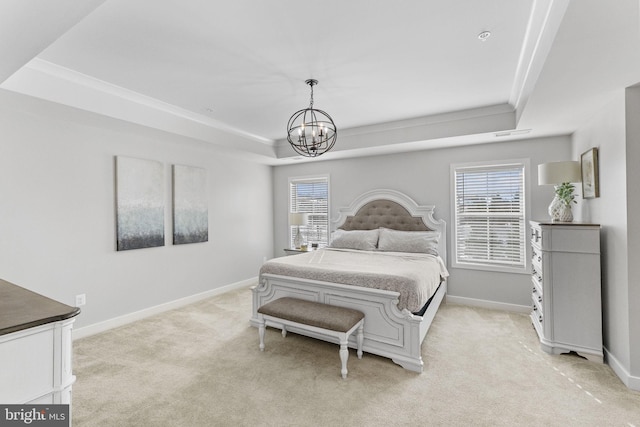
[[311, 132]]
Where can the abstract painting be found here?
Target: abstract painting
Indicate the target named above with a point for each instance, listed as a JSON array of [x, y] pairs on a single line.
[[190, 207], [139, 203]]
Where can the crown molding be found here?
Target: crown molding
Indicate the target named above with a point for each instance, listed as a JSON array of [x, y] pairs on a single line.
[[89, 86], [544, 22]]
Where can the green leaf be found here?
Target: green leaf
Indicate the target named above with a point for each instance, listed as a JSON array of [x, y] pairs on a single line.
[[564, 192]]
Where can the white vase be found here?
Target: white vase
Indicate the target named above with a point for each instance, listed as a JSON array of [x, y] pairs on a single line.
[[560, 211]]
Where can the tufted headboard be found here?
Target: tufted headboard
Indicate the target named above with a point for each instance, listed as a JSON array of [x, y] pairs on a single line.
[[383, 213], [390, 209]]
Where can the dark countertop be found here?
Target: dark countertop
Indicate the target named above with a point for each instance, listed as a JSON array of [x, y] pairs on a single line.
[[548, 222], [22, 309]]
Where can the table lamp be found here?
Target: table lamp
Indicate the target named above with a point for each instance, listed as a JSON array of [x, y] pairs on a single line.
[[298, 219], [560, 175]]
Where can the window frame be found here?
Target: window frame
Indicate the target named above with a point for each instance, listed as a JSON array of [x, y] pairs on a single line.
[[487, 165], [308, 178]]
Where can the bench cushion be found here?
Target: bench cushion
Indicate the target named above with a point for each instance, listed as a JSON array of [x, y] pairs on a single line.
[[312, 313]]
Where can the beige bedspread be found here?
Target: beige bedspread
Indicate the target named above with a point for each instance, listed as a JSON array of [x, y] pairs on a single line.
[[415, 276]]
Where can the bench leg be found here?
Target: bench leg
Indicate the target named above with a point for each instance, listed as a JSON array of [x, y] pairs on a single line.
[[284, 331], [261, 328], [360, 338], [344, 356]]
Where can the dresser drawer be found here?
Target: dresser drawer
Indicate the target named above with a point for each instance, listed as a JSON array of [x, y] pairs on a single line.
[[536, 274], [536, 235], [536, 313], [27, 366], [536, 293], [536, 258], [566, 238]]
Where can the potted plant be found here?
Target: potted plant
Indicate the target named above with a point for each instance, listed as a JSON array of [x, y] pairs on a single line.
[[564, 192], [560, 208]]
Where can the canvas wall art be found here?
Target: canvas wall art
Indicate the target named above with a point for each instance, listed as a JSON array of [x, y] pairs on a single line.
[[190, 206], [140, 203]]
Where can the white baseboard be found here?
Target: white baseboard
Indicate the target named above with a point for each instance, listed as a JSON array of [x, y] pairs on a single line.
[[451, 299], [96, 328], [625, 376]]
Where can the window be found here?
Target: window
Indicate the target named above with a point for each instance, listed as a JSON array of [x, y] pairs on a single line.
[[310, 195], [490, 218]]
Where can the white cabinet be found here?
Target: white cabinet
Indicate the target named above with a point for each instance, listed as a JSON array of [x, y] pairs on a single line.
[[36, 365], [35, 347], [567, 308]]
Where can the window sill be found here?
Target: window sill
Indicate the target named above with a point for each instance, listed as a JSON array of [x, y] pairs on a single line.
[[492, 268]]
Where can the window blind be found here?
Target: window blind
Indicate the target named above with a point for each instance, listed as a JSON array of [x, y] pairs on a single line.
[[310, 195], [490, 215]]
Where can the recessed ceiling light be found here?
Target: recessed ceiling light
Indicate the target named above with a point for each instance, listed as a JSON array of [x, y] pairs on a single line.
[[483, 36]]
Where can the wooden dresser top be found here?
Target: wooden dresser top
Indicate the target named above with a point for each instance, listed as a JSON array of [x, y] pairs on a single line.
[[21, 309]]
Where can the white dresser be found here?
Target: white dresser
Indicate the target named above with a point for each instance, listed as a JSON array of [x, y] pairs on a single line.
[[35, 347], [567, 309]]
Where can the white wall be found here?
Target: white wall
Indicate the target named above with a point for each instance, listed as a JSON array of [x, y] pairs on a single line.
[[606, 131], [424, 176], [57, 215], [633, 226], [615, 131]]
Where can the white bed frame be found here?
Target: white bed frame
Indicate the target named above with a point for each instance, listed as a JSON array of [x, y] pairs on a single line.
[[388, 331]]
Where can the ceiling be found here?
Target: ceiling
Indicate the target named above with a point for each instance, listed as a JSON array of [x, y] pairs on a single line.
[[394, 76]]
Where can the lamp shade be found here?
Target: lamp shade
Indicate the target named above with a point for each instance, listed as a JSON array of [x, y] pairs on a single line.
[[558, 172], [298, 218]]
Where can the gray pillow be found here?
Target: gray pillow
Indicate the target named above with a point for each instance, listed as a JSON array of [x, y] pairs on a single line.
[[364, 240], [409, 241]]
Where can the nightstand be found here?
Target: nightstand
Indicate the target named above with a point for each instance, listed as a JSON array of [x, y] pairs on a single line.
[[294, 251]]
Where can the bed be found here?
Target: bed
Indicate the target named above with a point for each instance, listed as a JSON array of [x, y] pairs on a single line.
[[387, 258]]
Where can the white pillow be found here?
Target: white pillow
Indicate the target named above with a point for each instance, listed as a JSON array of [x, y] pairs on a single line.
[[409, 241], [364, 240]]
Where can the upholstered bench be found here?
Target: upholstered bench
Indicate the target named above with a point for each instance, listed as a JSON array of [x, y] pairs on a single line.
[[325, 319]]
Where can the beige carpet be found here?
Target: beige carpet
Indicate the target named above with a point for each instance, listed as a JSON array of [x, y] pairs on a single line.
[[200, 366]]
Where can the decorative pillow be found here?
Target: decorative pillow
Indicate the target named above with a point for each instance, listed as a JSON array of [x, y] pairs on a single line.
[[409, 241], [364, 240]]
